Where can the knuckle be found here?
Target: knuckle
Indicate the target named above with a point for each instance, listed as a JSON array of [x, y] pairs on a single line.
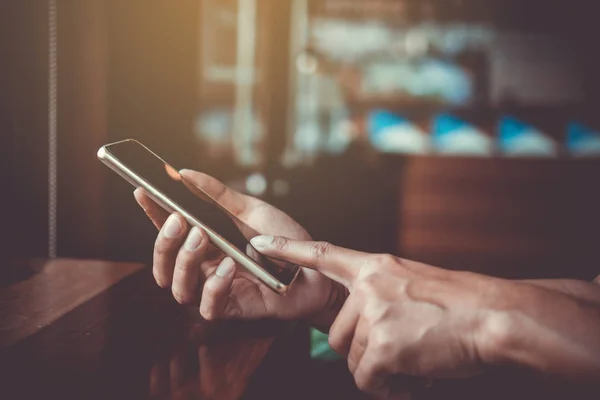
[[180, 297], [210, 291], [381, 260], [370, 273], [370, 266], [163, 248], [185, 263], [320, 249], [200, 242], [370, 375], [367, 283], [161, 281], [335, 342], [209, 310], [279, 243], [374, 312], [352, 363], [208, 313], [382, 343], [213, 292], [362, 381]]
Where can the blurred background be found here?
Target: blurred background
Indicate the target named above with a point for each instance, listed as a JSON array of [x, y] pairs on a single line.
[[462, 133]]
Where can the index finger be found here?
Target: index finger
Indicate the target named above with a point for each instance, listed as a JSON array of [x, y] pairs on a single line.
[[340, 264], [156, 213]]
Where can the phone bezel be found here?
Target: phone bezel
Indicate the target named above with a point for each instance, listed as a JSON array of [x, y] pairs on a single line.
[[171, 206]]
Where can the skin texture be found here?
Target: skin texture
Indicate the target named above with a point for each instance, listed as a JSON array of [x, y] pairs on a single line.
[[390, 317]]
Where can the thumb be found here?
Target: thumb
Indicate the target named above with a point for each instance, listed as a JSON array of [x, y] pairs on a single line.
[[212, 190], [340, 264]]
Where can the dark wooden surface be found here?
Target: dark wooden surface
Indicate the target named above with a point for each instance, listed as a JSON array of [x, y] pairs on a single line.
[[515, 218], [54, 288], [86, 330]]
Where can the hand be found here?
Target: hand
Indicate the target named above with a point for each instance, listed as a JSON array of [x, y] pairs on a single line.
[[402, 317], [197, 273]]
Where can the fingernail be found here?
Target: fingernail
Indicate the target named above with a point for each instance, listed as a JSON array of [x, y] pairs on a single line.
[[225, 268], [173, 227], [136, 193], [194, 240], [262, 242]]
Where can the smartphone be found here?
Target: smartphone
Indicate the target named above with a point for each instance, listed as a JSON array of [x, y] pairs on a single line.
[[162, 182]]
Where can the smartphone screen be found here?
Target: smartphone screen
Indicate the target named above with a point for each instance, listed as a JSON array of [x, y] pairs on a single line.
[[197, 203]]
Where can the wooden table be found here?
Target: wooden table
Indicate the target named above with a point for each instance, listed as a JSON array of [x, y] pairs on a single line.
[[98, 330], [88, 329]]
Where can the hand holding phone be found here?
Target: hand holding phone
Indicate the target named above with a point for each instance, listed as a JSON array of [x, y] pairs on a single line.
[[176, 193], [242, 294]]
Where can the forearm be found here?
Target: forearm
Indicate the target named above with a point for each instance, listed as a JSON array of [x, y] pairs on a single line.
[[578, 290], [547, 330]]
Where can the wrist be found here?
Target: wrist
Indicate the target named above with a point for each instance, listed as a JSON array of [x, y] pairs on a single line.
[[337, 297]]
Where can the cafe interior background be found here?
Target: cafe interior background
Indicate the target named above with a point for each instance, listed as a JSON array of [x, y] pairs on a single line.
[[461, 133]]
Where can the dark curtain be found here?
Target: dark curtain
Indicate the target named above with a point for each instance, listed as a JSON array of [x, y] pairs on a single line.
[[23, 129]]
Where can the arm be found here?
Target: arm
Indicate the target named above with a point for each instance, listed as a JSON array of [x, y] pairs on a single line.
[[552, 327], [579, 290]]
